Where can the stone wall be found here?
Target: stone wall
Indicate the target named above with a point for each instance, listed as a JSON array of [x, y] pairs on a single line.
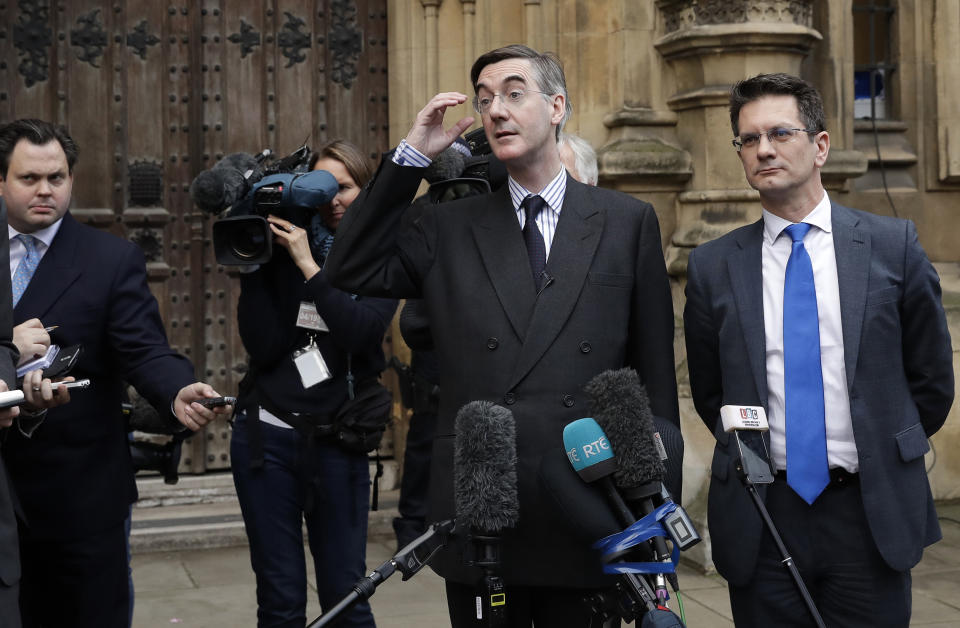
[[649, 84]]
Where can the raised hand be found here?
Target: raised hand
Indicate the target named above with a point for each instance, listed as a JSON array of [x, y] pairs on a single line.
[[427, 134]]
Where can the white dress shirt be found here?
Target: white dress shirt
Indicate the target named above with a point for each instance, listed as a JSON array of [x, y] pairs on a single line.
[[18, 251], [777, 245]]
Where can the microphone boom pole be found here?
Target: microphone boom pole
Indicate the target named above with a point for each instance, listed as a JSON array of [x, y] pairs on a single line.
[[753, 468]]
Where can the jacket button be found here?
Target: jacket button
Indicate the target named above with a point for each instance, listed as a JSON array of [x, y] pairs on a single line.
[[509, 399], [585, 347], [568, 401], [492, 343]]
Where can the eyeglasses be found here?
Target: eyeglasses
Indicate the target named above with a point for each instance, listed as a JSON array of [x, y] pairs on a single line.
[[778, 135], [512, 98]]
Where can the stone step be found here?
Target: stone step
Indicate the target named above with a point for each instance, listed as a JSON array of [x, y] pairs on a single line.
[[202, 512]]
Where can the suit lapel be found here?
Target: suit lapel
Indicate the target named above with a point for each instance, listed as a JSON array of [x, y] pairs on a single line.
[[571, 254], [745, 266], [55, 273], [498, 237], [852, 248]]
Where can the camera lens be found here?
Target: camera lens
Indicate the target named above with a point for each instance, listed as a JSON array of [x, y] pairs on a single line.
[[248, 240]]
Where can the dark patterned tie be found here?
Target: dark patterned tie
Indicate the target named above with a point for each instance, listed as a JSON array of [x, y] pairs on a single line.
[[532, 237], [807, 468]]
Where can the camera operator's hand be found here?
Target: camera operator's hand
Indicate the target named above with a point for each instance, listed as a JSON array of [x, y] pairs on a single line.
[[297, 242], [31, 339], [42, 394], [427, 134], [193, 415], [7, 415]]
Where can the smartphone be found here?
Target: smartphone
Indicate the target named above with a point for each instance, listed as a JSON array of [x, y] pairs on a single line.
[[217, 402]]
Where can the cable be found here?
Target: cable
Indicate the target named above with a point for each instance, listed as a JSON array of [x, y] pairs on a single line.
[[876, 139], [683, 616]]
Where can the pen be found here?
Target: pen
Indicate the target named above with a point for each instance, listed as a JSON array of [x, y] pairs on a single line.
[[50, 329]]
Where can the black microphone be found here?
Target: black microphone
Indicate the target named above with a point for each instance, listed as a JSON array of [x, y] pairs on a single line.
[[227, 182], [485, 494], [448, 165], [622, 409]]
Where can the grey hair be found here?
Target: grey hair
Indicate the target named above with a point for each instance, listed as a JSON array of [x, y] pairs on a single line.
[[584, 156], [547, 71]]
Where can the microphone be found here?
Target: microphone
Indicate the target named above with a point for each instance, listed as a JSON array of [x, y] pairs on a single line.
[[448, 165], [622, 410], [227, 182], [591, 456], [485, 494], [748, 424]]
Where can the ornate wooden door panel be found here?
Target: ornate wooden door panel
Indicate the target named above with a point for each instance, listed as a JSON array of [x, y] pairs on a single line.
[[156, 92]]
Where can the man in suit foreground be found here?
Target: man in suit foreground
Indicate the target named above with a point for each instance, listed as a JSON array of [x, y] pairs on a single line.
[[831, 319], [509, 328], [73, 473]]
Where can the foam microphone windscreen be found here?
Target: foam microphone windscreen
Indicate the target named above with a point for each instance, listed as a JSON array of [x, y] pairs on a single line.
[[485, 467], [448, 165], [225, 183], [622, 409]]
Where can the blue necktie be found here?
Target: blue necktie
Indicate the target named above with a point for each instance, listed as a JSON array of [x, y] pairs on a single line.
[[21, 278], [536, 249], [807, 470]]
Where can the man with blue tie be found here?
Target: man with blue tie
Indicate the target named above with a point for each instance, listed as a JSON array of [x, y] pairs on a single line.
[[73, 473], [831, 319]]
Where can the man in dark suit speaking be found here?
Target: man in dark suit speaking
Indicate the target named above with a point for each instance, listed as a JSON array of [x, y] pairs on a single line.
[[530, 291], [73, 473], [831, 319]]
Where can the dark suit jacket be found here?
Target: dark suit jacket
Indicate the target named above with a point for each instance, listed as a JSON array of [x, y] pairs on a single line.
[[9, 548], [608, 306], [74, 476], [899, 368]]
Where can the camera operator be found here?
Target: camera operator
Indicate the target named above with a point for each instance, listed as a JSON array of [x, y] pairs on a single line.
[[283, 468]]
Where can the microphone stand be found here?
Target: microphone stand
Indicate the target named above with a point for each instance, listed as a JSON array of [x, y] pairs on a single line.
[[753, 469], [406, 561]]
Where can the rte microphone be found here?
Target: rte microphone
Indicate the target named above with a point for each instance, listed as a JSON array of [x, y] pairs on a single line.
[[622, 409], [591, 456], [485, 494], [747, 424]]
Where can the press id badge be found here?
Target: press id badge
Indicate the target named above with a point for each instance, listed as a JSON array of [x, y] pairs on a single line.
[[309, 318], [311, 365]]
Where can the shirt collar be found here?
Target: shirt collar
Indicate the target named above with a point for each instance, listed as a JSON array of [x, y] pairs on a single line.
[[820, 217], [552, 193], [45, 235]]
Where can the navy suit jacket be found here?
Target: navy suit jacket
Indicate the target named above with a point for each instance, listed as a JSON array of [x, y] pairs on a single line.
[[899, 368], [74, 476], [608, 306]]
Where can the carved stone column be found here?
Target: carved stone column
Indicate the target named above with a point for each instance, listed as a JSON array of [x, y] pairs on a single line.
[[431, 11], [642, 154], [712, 44]]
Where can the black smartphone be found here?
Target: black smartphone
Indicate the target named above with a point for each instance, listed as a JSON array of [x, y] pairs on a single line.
[[65, 360], [217, 402]]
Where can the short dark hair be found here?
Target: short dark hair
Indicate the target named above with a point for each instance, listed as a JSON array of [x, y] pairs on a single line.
[[37, 132], [547, 70], [809, 103]]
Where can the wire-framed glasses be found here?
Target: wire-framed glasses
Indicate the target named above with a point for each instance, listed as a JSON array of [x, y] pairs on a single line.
[[512, 98], [779, 135]]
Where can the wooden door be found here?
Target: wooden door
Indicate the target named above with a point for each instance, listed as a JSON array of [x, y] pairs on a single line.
[[155, 92]]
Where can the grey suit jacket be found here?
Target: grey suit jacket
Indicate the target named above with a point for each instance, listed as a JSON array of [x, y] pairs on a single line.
[[899, 368], [608, 305], [9, 547]]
